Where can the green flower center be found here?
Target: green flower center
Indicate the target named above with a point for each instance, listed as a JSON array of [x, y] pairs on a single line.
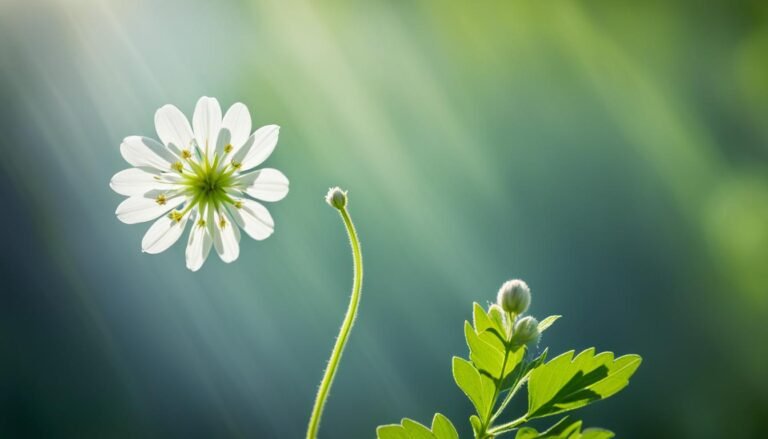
[[206, 183]]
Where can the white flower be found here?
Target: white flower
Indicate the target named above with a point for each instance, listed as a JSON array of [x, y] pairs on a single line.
[[203, 175]]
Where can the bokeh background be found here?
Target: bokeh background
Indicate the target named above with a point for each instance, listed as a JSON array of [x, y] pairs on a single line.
[[612, 154]]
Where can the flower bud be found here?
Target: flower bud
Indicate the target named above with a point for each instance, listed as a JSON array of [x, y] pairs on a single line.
[[336, 197], [514, 296], [526, 332]]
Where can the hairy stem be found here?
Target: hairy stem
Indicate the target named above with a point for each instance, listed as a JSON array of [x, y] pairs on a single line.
[[346, 328]]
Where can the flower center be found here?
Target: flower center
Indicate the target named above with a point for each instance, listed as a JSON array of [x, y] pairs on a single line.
[[208, 182]]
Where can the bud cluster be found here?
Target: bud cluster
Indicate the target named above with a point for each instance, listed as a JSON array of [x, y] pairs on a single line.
[[514, 298]]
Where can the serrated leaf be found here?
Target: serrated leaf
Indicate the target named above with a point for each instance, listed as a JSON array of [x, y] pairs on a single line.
[[478, 387], [547, 322], [442, 428], [567, 383]]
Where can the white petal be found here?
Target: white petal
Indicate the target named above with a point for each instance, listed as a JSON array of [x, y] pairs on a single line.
[[143, 151], [265, 184], [198, 246], [206, 122], [141, 209], [258, 147], [254, 219], [238, 122], [163, 234], [173, 128], [135, 181], [225, 237]]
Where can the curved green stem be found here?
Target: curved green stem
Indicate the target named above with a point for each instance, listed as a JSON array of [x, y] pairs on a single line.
[[346, 328]]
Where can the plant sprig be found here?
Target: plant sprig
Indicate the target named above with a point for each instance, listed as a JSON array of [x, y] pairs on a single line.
[[500, 340]]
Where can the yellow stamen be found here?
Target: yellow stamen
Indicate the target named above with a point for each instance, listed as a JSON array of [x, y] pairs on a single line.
[[235, 164], [222, 223], [186, 154], [239, 204], [228, 148], [175, 216], [201, 223], [161, 200], [177, 166]]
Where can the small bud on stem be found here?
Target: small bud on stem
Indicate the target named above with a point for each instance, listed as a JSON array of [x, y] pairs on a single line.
[[526, 332], [514, 296], [336, 198]]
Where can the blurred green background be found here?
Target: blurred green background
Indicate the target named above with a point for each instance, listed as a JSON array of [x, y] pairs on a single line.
[[612, 154]]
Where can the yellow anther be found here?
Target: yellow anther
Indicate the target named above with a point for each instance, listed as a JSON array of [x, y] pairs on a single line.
[[177, 166], [239, 204], [236, 165], [186, 154], [222, 223], [175, 216], [228, 148], [161, 200], [201, 222]]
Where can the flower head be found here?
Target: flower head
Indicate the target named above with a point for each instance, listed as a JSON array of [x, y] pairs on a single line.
[[514, 296], [526, 332], [204, 175]]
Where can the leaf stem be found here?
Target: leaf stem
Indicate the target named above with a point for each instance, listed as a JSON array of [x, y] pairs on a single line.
[[346, 328], [509, 426]]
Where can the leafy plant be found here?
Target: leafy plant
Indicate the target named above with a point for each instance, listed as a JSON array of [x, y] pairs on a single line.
[[500, 364]]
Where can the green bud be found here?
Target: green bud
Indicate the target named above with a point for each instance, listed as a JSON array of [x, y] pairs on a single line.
[[526, 332], [336, 198], [514, 296]]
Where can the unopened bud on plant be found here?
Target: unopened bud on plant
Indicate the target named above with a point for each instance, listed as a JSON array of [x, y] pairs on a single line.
[[336, 197], [514, 296], [526, 331]]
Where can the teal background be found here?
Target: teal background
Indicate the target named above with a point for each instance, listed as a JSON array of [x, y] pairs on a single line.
[[612, 154]]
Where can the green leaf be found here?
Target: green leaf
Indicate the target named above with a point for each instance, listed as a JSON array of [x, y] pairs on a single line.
[[567, 383], [483, 354], [416, 430], [392, 431], [410, 429], [442, 428], [480, 319], [477, 425], [564, 429], [597, 433], [478, 387], [546, 323], [497, 317]]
